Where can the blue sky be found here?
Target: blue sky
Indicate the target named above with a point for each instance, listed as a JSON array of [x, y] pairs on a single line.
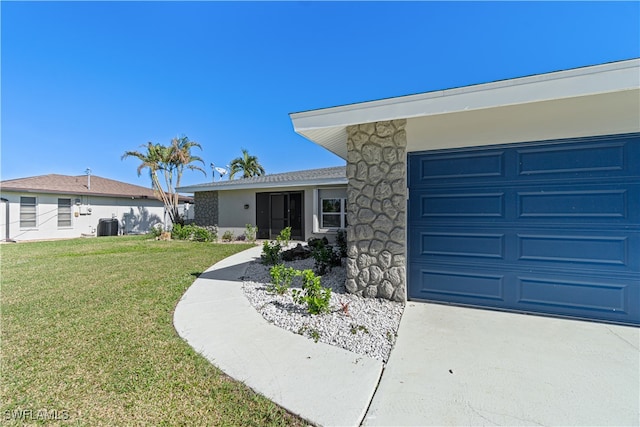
[[83, 82]]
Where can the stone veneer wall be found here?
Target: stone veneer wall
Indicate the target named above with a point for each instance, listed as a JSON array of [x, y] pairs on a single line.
[[206, 208], [376, 210]]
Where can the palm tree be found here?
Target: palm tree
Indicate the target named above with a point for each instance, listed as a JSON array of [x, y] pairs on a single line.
[[248, 165], [180, 157], [171, 161]]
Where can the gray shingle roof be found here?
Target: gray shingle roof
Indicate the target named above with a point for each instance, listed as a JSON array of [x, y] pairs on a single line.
[[333, 175], [65, 184]]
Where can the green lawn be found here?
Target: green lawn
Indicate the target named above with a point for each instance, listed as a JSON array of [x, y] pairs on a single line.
[[87, 334]]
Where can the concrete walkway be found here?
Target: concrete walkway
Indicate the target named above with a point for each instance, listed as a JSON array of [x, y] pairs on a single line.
[[450, 365], [323, 384]]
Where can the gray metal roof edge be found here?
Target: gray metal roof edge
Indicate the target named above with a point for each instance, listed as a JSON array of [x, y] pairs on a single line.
[[262, 185]]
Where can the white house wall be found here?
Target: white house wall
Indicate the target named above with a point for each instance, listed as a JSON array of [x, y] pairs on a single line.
[[136, 214], [607, 114], [232, 216]]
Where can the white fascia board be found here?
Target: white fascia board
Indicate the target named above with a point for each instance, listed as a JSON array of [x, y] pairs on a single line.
[[263, 185]]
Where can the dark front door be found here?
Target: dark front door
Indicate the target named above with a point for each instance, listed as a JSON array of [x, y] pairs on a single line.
[[275, 211]]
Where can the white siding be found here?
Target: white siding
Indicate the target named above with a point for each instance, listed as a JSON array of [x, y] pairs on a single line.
[[134, 215]]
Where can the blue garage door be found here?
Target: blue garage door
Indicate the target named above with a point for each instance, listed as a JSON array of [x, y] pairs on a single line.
[[550, 227]]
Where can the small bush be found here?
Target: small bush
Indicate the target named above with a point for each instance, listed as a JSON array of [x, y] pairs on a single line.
[[325, 258], [228, 236], [192, 232], [271, 252], [281, 278], [314, 242], [251, 232], [179, 232], [284, 237], [313, 294], [322, 256], [155, 231], [341, 241]]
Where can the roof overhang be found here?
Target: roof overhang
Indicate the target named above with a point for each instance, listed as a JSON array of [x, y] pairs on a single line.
[[327, 126], [239, 185]]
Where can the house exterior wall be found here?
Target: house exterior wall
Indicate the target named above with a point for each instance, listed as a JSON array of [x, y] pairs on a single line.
[[225, 209], [376, 192], [610, 114], [134, 215], [231, 212]]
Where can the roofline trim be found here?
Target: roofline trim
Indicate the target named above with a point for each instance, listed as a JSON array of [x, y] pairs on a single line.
[[263, 185], [75, 193]]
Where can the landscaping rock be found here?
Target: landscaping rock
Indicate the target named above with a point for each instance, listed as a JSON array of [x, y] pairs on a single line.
[[368, 327]]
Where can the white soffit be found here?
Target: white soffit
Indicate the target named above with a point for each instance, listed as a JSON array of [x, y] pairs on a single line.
[[327, 126]]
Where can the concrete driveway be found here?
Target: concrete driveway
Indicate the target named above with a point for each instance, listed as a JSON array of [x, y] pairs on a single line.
[[462, 366]]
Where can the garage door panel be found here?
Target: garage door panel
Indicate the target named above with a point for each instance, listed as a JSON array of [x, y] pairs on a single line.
[[458, 167], [586, 159], [562, 205], [586, 294], [594, 251], [467, 205], [550, 227], [527, 247], [461, 244], [463, 286], [590, 158], [593, 203], [584, 297]]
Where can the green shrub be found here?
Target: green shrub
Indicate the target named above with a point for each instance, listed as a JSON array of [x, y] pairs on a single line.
[[322, 256], [284, 237], [341, 241], [314, 242], [271, 252], [179, 232], [192, 232], [325, 258], [228, 236], [200, 234], [250, 232], [155, 230], [281, 278], [313, 294]]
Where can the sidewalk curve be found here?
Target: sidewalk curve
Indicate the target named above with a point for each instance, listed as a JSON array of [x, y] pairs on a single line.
[[323, 384]]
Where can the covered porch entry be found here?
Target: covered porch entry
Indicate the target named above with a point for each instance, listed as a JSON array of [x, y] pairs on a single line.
[[278, 210]]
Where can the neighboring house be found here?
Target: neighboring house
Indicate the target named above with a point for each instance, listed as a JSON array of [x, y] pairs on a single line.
[[311, 202], [519, 195], [61, 206]]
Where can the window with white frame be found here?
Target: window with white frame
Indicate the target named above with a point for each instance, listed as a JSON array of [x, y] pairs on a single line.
[[27, 212], [332, 213], [64, 212], [332, 209]]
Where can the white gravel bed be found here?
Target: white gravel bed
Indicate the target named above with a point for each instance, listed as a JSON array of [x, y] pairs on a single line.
[[368, 326]]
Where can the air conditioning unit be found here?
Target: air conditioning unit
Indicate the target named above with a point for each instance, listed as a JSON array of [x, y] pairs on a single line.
[[85, 210]]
